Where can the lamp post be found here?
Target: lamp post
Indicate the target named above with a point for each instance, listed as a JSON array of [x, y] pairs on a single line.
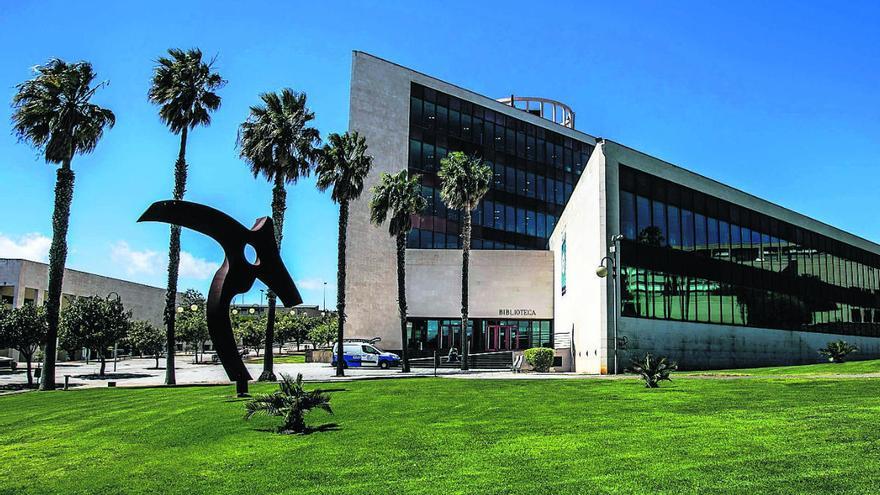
[[606, 264], [325, 297]]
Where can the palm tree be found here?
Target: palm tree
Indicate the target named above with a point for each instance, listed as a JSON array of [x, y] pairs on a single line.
[[277, 142], [399, 195], [184, 88], [291, 401], [54, 113], [464, 181], [343, 164]]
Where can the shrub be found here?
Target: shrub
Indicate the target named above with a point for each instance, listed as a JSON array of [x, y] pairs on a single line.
[[653, 370], [836, 352], [541, 358], [291, 402]]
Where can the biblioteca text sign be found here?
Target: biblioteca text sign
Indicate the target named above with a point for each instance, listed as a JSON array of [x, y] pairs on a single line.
[[516, 312]]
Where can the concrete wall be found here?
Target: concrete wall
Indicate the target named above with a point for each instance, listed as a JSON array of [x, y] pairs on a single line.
[[705, 346], [145, 302], [498, 281], [582, 310]]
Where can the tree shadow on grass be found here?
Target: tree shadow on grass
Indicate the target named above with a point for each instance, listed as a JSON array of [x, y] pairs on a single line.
[[308, 431], [112, 376]]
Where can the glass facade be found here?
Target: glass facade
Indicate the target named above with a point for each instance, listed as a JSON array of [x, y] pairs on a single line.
[[692, 257], [535, 171], [427, 335]]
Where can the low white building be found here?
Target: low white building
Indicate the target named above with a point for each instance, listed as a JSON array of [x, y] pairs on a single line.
[[27, 282]]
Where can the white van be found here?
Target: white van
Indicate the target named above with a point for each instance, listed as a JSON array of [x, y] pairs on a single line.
[[356, 354]]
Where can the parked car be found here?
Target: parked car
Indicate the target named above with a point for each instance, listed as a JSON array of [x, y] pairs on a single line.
[[357, 354], [9, 363]]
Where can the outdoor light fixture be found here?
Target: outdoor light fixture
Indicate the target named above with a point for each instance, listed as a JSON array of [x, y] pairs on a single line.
[[180, 309], [194, 307], [235, 311], [252, 311], [610, 264]]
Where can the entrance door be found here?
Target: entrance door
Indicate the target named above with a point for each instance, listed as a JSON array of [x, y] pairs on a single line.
[[498, 337]]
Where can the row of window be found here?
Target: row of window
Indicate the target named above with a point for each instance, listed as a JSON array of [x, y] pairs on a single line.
[[769, 228], [693, 257], [654, 222], [654, 294], [428, 239], [505, 135], [528, 189], [425, 157], [486, 335]]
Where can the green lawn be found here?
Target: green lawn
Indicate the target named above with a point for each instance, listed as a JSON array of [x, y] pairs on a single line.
[[449, 436], [848, 368], [285, 359]]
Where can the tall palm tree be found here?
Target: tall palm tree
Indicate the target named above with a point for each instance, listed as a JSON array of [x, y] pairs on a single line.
[[464, 181], [184, 86], [343, 165], [398, 197], [54, 113], [277, 142]]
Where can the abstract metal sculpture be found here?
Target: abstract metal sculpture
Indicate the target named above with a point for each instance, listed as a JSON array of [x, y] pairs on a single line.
[[237, 274]]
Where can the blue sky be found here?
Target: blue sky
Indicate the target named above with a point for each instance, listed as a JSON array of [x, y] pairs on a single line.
[[780, 99]]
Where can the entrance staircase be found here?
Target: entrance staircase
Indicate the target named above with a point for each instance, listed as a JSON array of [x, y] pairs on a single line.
[[501, 360]]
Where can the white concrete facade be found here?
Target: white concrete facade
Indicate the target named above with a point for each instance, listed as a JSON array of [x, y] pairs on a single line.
[[587, 307]]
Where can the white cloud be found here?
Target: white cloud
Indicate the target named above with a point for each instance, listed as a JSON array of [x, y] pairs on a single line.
[[32, 246], [197, 268], [134, 262], [310, 283], [149, 262]]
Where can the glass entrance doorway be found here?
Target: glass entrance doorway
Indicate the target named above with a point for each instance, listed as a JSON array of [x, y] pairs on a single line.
[[500, 337]]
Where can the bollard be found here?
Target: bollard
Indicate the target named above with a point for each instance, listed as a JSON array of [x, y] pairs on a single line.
[[66, 381]]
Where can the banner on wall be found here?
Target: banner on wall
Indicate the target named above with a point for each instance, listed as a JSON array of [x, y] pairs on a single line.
[[564, 259]]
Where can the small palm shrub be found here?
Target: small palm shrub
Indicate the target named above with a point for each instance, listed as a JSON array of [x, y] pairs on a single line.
[[541, 358], [836, 352], [291, 402], [653, 370]]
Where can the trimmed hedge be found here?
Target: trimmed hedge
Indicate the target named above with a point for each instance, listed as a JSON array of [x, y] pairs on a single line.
[[541, 358]]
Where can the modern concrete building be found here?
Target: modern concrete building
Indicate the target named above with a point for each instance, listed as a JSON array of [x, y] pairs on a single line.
[[23, 281], [708, 275]]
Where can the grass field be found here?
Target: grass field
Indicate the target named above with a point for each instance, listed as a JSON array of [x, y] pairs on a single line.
[[848, 368], [285, 359], [449, 436]]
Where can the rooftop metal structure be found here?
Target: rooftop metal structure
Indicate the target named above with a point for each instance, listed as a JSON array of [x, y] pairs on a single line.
[[545, 108]]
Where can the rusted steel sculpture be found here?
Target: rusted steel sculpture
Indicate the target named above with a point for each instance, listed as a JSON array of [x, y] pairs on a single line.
[[237, 274]]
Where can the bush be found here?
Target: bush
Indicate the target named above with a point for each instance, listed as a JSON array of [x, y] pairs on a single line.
[[291, 401], [653, 371], [541, 358], [836, 352]]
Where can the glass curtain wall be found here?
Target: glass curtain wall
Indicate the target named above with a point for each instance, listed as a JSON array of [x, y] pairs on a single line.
[[534, 170], [692, 257]]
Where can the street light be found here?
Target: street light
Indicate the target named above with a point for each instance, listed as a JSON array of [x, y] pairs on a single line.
[[610, 264], [180, 309], [234, 312], [194, 307]]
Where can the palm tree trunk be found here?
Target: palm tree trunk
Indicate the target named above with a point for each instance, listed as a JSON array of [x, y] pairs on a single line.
[[465, 265], [57, 259], [279, 205], [340, 289], [30, 375], [174, 263], [401, 299]]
